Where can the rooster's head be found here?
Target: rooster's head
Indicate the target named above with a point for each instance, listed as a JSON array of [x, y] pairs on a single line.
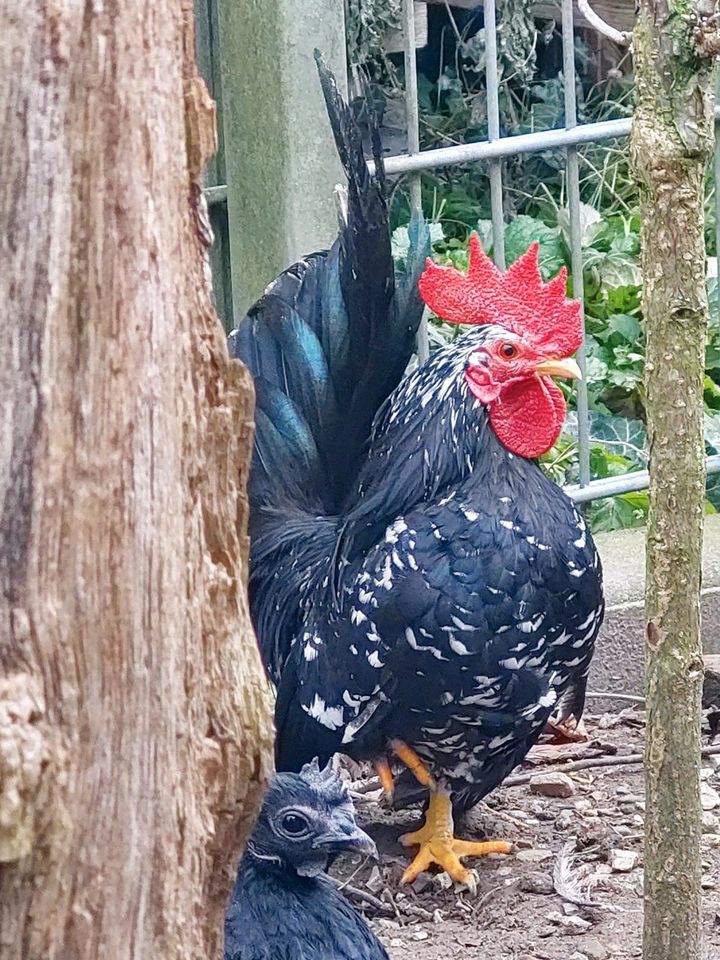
[[532, 332]]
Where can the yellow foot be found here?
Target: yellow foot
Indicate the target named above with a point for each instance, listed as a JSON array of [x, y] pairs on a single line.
[[439, 846]]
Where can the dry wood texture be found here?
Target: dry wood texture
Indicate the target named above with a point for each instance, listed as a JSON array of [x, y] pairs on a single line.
[[671, 144], [135, 732]]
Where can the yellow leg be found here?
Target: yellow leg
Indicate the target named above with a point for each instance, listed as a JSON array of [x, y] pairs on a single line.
[[382, 768], [438, 844], [412, 761]]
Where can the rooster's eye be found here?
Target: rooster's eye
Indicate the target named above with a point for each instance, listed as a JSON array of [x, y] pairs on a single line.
[[508, 350]]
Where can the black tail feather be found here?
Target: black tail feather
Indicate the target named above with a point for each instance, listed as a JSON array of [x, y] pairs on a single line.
[[330, 339], [326, 344]]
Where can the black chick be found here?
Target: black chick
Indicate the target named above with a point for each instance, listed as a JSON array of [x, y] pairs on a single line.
[[283, 906]]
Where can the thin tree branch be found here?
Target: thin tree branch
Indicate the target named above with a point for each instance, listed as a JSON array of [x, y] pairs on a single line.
[[620, 37]]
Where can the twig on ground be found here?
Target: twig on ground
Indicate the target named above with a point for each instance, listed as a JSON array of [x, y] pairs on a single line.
[[630, 697], [489, 894], [501, 815], [365, 897], [522, 778], [355, 872]]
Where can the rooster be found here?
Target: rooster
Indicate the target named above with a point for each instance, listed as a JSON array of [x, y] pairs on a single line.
[[420, 589]]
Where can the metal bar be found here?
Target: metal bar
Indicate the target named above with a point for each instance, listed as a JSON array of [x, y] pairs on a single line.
[[628, 483], [215, 195], [509, 146], [576, 263], [493, 112], [412, 115]]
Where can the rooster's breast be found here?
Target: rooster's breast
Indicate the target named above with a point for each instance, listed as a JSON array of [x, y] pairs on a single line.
[[476, 623]]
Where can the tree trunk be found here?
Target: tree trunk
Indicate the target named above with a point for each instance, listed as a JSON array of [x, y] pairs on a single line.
[[671, 143], [135, 732]]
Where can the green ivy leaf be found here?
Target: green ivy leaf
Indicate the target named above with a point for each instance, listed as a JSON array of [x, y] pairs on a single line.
[[523, 231], [619, 513], [625, 326]]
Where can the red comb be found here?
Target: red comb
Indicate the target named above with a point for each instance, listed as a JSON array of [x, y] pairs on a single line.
[[518, 299]]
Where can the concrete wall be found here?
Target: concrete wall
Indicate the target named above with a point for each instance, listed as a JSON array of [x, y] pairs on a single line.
[[618, 665], [280, 157]]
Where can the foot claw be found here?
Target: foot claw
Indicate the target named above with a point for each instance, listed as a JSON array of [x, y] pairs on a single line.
[[439, 846], [567, 730], [446, 853]]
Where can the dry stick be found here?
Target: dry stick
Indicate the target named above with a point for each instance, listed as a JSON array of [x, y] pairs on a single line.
[[630, 697], [573, 765], [355, 872], [365, 897]]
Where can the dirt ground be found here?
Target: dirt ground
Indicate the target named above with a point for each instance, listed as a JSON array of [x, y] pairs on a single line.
[[588, 846]]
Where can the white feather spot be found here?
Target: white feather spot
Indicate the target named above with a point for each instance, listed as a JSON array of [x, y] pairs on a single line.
[[457, 647], [499, 741], [392, 534], [352, 702], [330, 717], [512, 663], [357, 617], [412, 640]]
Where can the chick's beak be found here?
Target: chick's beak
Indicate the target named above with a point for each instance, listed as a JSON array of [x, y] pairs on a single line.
[[566, 367], [345, 837]]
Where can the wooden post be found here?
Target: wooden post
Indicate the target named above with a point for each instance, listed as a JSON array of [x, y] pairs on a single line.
[[135, 732], [671, 144]]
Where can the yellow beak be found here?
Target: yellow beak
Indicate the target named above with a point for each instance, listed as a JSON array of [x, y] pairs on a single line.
[[559, 368]]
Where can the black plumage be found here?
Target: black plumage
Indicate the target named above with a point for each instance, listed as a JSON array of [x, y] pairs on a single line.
[[411, 578], [283, 906]]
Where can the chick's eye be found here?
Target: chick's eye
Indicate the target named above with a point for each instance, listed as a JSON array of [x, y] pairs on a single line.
[[294, 824], [508, 350]]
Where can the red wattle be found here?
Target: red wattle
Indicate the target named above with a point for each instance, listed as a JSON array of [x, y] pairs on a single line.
[[528, 415]]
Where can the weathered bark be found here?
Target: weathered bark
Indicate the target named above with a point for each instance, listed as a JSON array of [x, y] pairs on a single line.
[[671, 144], [135, 732]]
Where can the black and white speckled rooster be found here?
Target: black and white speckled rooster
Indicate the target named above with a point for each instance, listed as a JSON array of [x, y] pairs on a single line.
[[421, 590]]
